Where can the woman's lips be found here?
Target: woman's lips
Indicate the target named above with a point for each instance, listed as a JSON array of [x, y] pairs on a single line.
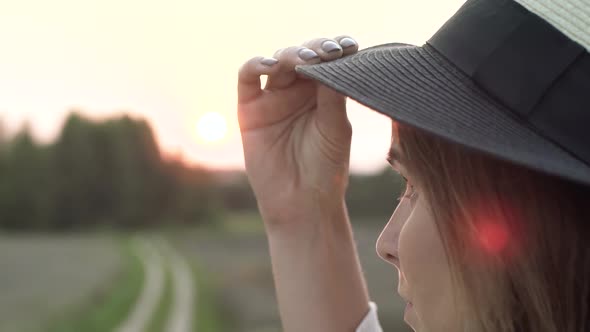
[[409, 307], [409, 314]]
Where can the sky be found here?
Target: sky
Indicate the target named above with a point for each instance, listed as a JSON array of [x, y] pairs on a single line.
[[172, 61]]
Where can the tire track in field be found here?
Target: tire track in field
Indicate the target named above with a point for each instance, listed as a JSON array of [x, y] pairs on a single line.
[[152, 290], [180, 318]]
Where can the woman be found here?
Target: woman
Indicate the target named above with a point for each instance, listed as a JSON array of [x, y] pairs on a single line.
[[490, 131]]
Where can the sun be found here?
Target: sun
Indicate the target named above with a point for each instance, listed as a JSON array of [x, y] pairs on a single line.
[[211, 127]]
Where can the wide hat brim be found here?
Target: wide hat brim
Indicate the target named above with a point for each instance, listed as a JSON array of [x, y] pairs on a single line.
[[417, 86]]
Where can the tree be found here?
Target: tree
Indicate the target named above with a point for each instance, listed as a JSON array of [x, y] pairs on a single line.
[[374, 195], [25, 199]]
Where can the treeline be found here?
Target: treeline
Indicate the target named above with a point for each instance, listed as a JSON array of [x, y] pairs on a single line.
[[375, 195], [111, 173], [369, 198], [107, 173]]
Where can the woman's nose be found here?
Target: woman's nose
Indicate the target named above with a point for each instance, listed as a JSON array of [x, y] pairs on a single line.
[[387, 243]]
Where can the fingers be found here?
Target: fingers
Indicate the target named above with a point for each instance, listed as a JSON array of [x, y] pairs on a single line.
[[331, 115], [348, 44], [281, 67], [289, 58], [249, 77], [328, 49], [322, 49]]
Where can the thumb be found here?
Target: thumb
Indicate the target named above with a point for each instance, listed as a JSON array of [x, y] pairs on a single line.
[[331, 113]]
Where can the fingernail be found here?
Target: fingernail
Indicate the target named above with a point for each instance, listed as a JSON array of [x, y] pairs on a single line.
[[329, 46], [347, 42], [307, 54], [269, 61]]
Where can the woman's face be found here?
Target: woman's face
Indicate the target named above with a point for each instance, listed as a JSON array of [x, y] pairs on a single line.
[[411, 242]]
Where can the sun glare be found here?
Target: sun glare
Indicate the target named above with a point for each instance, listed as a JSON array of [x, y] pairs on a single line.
[[212, 127]]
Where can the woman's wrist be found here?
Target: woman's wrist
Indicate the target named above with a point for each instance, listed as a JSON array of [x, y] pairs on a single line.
[[317, 274], [305, 215]]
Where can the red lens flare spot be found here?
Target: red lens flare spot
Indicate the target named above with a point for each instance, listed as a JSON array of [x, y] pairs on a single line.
[[492, 237]]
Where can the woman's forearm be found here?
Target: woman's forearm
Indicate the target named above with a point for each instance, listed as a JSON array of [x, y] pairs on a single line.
[[317, 274]]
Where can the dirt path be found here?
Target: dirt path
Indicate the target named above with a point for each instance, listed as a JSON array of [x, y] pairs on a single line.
[[157, 255], [153, 287], [181, 312]]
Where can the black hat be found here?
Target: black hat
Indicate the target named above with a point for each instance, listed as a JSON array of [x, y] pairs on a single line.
[[508, 78]]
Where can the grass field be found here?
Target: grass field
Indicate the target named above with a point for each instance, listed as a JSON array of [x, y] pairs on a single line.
[[158, 320], [238, 263], [41, 278], [209, 311], [93, 283], [73, 283], [106, 307]]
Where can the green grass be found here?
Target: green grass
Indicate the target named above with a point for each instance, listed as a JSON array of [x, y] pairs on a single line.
[[158, 320], [243, 223], [208, 315], [107, 308]]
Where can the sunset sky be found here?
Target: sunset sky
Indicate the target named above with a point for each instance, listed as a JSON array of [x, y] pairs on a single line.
[[173, 61]]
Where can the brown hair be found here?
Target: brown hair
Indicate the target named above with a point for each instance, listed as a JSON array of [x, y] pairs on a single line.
[[516, 238]]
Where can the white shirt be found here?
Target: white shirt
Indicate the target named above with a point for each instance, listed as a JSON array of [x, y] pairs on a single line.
[[371, 322]]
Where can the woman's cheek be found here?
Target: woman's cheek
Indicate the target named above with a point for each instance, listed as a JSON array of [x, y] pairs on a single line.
[[425, 267], [409, 248]]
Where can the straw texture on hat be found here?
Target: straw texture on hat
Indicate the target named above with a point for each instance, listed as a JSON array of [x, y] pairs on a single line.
[[468, 101]]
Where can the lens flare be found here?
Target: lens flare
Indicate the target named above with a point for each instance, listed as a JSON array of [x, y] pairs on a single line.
[[492, 237], [498, 232]]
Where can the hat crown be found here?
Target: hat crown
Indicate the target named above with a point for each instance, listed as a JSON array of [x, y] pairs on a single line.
[[531, 67], [570, 17]]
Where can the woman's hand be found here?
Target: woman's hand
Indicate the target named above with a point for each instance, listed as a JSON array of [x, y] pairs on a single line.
[[295, 132], [296, 138]]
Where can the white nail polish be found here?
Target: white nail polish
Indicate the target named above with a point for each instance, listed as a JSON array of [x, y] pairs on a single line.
[[307, 54], [347, 42], [269, 61]]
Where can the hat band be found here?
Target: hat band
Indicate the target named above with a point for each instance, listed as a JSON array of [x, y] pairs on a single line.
[[528, 65]]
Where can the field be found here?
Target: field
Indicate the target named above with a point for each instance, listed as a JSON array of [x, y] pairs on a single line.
[[239, 263], [94, 282], [45, 276]]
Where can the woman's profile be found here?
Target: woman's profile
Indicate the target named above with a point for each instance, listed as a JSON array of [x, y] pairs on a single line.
[[490, 129]]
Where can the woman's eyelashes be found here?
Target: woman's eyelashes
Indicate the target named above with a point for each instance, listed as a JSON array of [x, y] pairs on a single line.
[[409, 191]]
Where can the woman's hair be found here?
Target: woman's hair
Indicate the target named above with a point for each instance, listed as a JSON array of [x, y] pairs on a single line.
[[517, 240]]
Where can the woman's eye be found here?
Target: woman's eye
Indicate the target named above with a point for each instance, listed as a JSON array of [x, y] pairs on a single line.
[[409, 191]]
